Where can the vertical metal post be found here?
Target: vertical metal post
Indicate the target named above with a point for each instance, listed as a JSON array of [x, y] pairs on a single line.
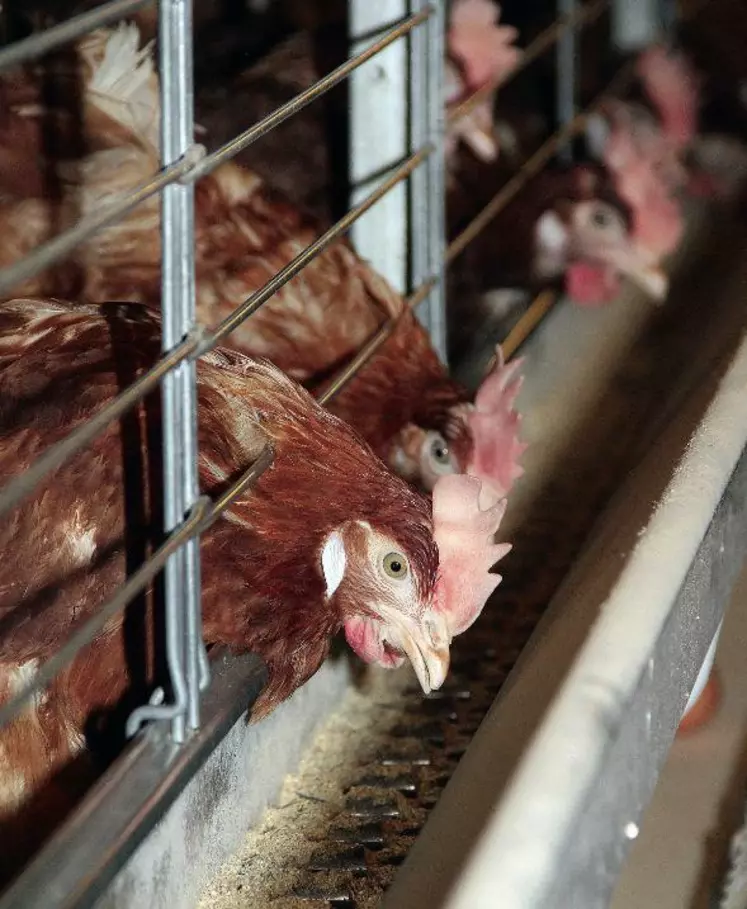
[[634, 23], [181, 487], [566, 83], [427, 184], [668, 16], [379, 137]]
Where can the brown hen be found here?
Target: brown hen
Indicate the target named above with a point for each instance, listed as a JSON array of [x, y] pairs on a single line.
[[326, 539]]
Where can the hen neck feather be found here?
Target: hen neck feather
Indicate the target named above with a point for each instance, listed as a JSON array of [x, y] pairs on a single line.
[[404, 382]]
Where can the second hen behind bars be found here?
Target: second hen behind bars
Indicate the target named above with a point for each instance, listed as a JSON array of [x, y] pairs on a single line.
[[403, 401]]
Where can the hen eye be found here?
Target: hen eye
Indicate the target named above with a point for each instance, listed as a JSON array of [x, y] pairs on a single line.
[[395, 565], [440, 451], [601, 218], [436, 457]]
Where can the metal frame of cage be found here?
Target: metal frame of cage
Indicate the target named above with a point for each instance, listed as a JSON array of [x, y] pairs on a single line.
[[80, 861]]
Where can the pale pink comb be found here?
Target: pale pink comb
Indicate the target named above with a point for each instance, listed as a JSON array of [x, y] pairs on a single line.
[[652, 141], [464, 534], [494, 425], [657, 218], [674, 88], [483, 49]]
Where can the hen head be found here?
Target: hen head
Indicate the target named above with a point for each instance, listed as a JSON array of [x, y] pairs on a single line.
[[411, 613], [480, 439], [589, 235], [399, 620]]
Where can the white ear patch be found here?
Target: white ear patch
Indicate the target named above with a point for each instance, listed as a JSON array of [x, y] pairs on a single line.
[[333, 562], [551, 234]]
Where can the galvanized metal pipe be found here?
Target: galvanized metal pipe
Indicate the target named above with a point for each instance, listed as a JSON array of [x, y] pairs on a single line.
[[427, 228], [567, 81], [179, 388]]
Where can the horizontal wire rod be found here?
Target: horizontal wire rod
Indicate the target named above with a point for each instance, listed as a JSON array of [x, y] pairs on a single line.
[[234, 146], [532, 166], [538, 309], [583, 16], [41, 43], [204, 513], [194, 346]]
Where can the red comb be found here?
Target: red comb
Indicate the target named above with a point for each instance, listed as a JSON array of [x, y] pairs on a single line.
[[657, 218], [464, 535], [494, 424], [483, 49], [674, 88]]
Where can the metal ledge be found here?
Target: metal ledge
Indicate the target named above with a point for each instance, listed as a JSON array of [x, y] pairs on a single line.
[[543, 808], [82, 859]]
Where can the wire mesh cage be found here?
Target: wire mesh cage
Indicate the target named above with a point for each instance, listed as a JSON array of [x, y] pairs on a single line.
[[397, 181]]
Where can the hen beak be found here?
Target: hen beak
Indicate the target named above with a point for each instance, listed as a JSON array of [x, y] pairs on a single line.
[[636, 265], [426, 644], [652, 281], [482, 143]]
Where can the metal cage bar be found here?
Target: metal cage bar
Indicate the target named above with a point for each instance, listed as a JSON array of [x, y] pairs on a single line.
[[566, 68], [37, 45], [427, 186], [184, 646]]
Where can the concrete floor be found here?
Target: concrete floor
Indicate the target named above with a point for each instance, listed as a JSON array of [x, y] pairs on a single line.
[[700, 797]]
